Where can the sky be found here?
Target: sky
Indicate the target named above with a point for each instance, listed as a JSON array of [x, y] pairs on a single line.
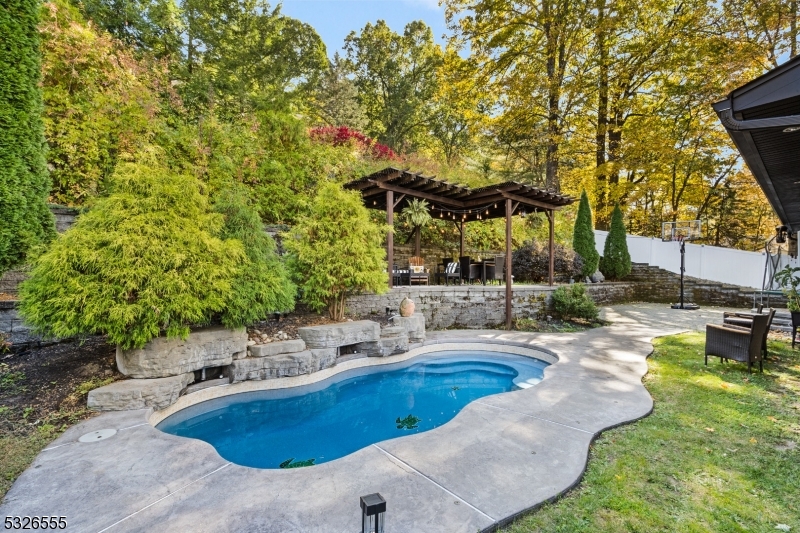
[[335, 19]]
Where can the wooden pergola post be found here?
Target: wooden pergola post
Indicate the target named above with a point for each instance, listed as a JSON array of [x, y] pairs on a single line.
[[551, 273], [461, 247], [390, 235], [509, 213]]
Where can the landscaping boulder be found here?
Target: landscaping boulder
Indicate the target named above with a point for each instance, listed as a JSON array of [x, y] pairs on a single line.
[[157, 393], [162, 357], [342, 334], [282, 365], [414, 326], [276, 348]]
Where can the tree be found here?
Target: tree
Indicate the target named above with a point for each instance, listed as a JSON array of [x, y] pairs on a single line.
[[616, 261], [100, 102], [416, 213], [261, 285], [144, 260], [24, 183], [530, 53], [246, 55], [583, 238], [336, 250], [396, 76], [337, 97]]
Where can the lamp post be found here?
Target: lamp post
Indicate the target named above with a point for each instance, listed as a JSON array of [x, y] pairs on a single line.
[[373, 508]]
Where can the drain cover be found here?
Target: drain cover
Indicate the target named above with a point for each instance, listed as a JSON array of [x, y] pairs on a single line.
[[94, 436]]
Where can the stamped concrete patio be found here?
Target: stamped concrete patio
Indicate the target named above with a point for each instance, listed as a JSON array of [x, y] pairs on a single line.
[[500, 456]]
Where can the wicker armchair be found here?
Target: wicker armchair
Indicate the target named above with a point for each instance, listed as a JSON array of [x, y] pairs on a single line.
[[417, 274], [745, 320], [737, 343]]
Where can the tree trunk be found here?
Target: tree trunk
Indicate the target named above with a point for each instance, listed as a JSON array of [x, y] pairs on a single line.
[[553, 97], [417, 238], [793, 28], [601, 215]]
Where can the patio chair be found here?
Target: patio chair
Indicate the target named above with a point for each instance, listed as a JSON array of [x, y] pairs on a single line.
[[417, 274], [729, 342], [745, 320], [467, 272], [451, 271], [497, 271]]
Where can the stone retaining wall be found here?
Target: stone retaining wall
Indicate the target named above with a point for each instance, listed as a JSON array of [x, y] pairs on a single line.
[[479, 306]]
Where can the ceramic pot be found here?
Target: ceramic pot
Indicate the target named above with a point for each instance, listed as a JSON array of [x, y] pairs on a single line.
[[407, 307]]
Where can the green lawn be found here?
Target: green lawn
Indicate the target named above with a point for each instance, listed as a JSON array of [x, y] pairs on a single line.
[[721, 452]]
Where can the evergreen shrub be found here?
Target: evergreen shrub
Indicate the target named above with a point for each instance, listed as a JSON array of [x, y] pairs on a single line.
[[261, 285], [25, 220], [616, 260], [143, 261], [572, 301], [336, 250], [531, 262], [583, 238]]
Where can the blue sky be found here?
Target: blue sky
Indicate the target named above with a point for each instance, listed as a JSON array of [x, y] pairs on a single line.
[[335, 19]]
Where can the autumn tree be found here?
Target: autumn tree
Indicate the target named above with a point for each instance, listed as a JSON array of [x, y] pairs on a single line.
[[396, 76]]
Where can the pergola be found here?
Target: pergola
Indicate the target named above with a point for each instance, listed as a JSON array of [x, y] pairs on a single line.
[[391, 189]]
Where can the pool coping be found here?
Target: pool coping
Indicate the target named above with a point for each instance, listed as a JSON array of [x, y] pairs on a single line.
[[501, 456]]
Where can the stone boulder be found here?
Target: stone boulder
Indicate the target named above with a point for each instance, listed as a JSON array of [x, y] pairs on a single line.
[[282, 365], [162, 357], [276, 348], [343, 334], [414, 326], [157, 393], [597, 277]]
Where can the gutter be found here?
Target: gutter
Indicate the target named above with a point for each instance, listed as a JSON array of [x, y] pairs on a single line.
[[731, 123]]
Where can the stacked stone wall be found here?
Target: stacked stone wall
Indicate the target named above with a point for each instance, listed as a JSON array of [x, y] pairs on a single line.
[[478, 306]]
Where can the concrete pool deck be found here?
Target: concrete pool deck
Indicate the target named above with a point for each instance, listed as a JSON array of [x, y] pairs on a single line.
[[500, 456]]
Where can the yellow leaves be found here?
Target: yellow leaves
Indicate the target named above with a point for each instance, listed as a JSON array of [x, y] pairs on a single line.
[[710, 430], [753, 440]]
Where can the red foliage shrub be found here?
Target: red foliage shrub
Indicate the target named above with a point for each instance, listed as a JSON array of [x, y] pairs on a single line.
[[342, 135]]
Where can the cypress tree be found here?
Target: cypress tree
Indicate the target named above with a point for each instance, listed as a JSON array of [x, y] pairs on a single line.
[[583, 237], [25, 220], [616, 261]]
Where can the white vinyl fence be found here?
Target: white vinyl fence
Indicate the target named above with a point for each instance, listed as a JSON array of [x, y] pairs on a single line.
[[725, 265]]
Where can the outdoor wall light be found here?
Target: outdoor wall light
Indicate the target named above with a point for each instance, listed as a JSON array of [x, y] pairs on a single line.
[[780, 234], [373, 508]]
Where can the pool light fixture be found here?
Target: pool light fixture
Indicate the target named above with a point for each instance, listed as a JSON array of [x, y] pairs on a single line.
[[373, 508]]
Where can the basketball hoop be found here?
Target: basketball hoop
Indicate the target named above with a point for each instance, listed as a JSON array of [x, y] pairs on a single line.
[[681, 232]]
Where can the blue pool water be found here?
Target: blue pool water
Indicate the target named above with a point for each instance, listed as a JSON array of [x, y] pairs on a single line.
[[347, 412]]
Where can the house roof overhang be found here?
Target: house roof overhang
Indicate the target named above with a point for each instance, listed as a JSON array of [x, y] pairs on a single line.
[[763, 119], [450, 201]]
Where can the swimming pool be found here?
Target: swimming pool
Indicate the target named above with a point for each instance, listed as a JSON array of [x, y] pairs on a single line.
[[313, 424]]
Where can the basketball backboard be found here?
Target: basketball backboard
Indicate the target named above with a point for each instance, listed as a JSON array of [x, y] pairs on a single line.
[[682, 230]]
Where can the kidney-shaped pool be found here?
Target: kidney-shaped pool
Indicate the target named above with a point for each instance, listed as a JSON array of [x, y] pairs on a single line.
[[312, 424]]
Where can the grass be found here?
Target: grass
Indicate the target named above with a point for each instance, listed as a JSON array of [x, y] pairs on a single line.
[[721, 452]]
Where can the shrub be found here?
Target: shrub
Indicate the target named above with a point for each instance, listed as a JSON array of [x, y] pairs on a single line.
[[583, 238], [25, 220], [261, 285], [343, 136], [336, 250], [144, 260], [571, 301], [616, 261], [531, 262]]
